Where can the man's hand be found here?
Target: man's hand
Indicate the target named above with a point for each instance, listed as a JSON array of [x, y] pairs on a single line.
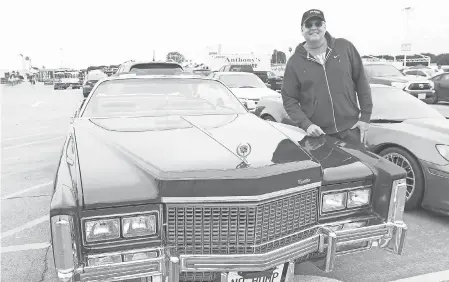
[[363, 126], [314, 131]]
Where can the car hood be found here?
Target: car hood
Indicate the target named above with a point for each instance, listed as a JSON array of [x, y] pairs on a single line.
[[253, 93], [140, 160], [338, 165], [431, 128], [402, 79]]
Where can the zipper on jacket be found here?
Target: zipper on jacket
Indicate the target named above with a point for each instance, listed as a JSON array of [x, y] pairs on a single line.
[[330, 96], [327, 82]]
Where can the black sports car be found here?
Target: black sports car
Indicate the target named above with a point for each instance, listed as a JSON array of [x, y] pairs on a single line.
[[170, 178]]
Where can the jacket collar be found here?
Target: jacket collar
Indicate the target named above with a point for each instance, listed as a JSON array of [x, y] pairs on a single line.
[[330, 45]]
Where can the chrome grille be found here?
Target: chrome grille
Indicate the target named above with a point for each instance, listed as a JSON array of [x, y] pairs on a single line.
[[419, 86], [242, 228]]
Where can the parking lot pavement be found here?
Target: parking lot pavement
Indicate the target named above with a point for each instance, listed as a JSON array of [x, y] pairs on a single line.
[[34, 124], [443, 108]]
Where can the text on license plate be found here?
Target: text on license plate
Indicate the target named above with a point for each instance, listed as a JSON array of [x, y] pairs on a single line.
[[422, 96], [275, 276]]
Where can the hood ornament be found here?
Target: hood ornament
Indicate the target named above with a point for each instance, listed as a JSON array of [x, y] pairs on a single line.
[[244, 149]]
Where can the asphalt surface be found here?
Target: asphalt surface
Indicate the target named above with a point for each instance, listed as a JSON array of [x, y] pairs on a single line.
[[34, 123]]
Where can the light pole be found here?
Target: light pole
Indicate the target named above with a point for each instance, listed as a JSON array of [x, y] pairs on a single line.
[[407, 46]]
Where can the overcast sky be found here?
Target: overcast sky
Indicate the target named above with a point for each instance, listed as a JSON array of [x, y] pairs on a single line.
[[111, 31]]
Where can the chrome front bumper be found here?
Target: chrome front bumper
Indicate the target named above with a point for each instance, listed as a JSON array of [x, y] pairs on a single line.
[[388, 236]]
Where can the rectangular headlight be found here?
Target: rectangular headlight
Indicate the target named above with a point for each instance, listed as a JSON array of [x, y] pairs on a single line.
[[334, 202], [142, 225], [358, 198], [102, 229]]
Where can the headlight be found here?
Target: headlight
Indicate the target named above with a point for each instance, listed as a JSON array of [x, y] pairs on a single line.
[[101, 230], [348, 199], [357, 198], [334, 202], [444, 151], [143, 225], [400, 85]]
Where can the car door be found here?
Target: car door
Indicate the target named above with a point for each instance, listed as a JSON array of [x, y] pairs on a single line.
[[442, 86]]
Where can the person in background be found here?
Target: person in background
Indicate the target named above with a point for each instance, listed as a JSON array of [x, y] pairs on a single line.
[[323, 80]]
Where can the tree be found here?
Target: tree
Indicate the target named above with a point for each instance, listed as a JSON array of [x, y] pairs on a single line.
[[176, 56], [278, 57], [443, 59]]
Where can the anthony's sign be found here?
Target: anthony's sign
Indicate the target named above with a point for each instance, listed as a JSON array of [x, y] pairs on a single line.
[[257, 61]]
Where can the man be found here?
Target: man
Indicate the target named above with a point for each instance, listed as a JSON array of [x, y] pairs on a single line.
[[322, 81]]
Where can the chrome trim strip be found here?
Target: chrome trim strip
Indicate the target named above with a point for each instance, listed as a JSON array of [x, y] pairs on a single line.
[[255, 198], [158, 250], [249, 262]]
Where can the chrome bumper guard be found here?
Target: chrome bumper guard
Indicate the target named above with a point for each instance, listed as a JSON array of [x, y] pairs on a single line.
[[388, 236]]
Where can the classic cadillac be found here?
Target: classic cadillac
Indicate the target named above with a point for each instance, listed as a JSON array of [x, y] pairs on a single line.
[[170, 178]]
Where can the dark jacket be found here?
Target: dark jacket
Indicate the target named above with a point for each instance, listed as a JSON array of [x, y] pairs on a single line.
[[327, 95]]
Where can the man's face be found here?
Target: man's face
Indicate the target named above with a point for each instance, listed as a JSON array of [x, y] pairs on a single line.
[[313, 29]]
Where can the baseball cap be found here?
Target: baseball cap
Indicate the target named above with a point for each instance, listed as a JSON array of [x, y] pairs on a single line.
[[313, 13]]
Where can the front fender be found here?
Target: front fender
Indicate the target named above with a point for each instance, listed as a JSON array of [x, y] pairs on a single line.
[[382, 136]]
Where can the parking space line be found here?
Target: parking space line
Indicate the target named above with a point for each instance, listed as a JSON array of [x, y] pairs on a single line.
[[25, 226], [36, 104], [27, 190], [25, 247], [439, 276], [33, 135], [32, 143]]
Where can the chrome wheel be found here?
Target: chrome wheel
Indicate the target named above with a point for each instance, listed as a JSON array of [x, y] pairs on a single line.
[[401, 161]]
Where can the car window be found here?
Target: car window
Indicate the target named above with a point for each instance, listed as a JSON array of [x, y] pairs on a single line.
[[421, 73], [161, 97], [387, 99], [382, 70], [242, 81]]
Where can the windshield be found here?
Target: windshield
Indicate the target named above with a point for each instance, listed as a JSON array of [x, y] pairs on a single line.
[[161, 97], [395, 104], [242, 81], [382, 70]]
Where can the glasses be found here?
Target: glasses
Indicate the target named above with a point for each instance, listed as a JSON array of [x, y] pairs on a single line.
[[316, 23]]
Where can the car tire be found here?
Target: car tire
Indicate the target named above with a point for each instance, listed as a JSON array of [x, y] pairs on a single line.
[[268, 117], [434, 99], [414, 171]]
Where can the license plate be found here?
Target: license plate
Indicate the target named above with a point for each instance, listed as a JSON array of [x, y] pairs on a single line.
[[275, 276], [422, 96]]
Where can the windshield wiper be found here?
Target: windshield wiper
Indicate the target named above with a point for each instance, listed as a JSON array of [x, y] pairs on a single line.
[[247, 86], [381, 120]]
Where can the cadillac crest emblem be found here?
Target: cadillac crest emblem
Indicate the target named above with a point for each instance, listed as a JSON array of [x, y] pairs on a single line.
[[244, 149], [421, 86]]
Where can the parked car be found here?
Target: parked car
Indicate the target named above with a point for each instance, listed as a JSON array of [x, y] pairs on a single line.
[[91, 79], [271, 79], [387, 74], [236, 68], [170, 178], [421, 72], [248, 87], [441, 82], [149, 67], [405, 131]]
